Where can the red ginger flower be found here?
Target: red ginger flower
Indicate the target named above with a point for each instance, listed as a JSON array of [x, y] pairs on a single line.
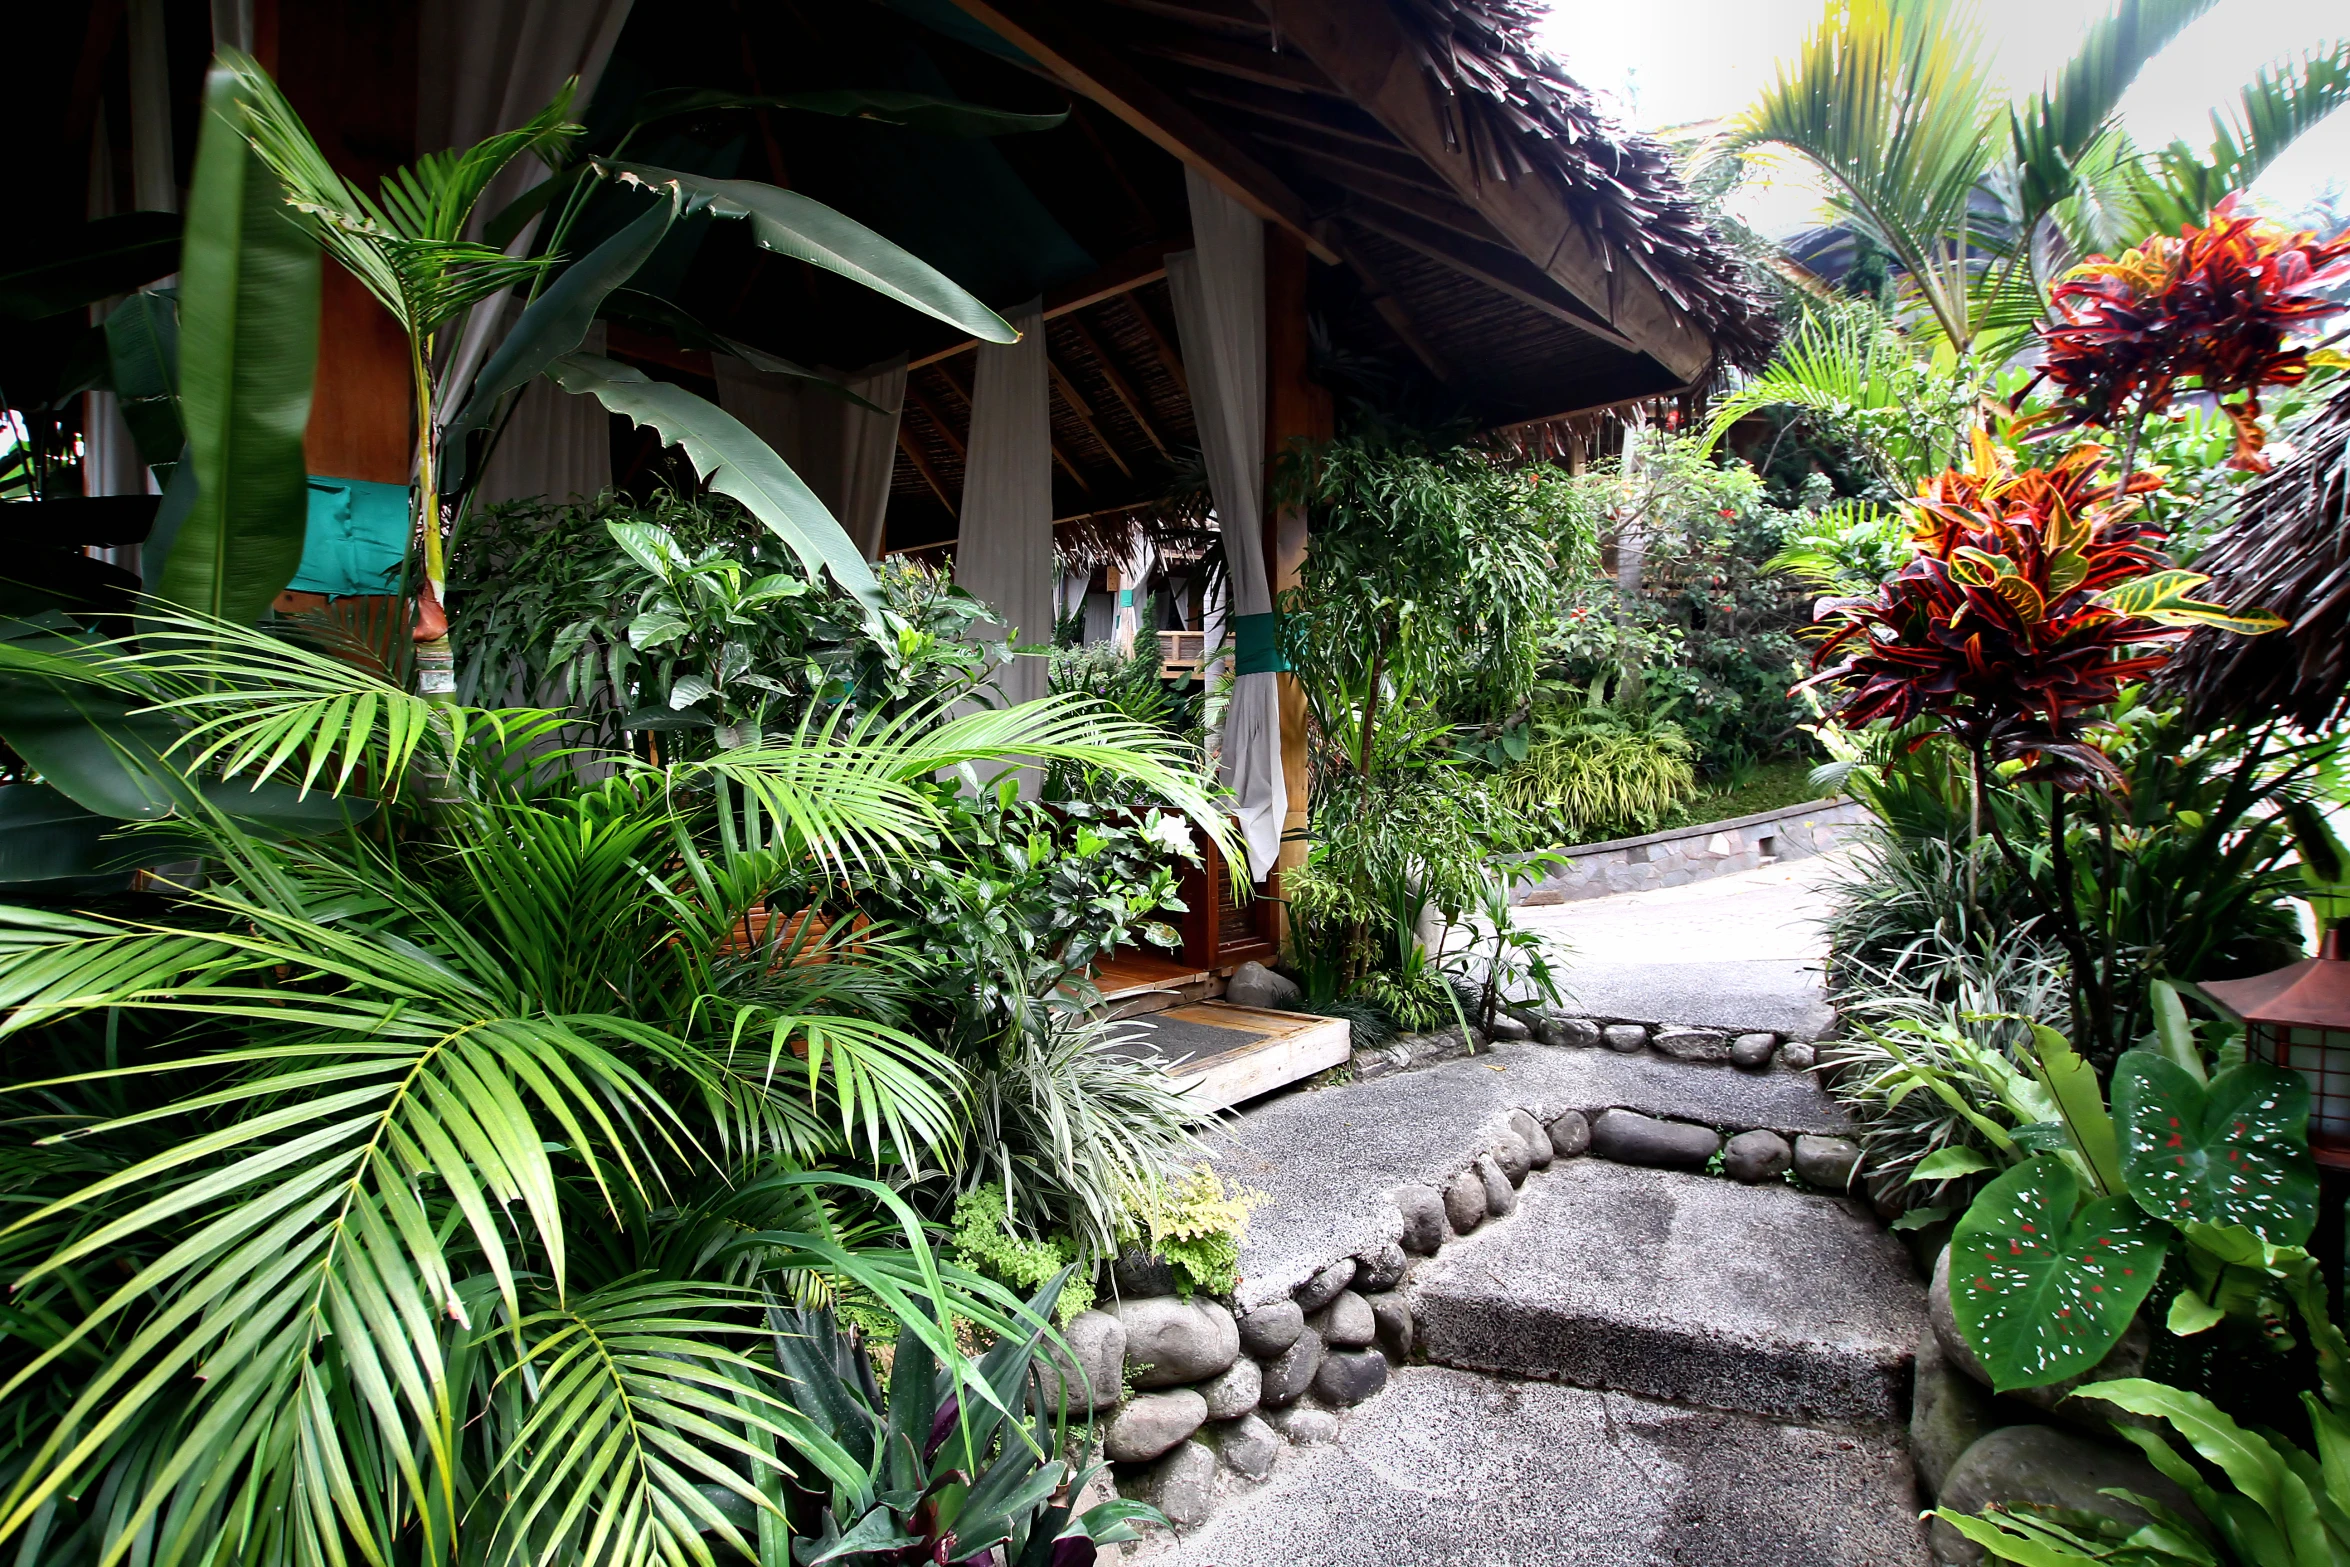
[[2214, 305], [2019, 611]]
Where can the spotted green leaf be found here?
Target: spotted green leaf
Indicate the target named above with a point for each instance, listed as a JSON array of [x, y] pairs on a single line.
[[2040, 1290], [2236, 1152]]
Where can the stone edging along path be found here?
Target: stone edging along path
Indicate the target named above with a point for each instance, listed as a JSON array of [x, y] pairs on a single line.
[[1685, 854], [1199, 1394]]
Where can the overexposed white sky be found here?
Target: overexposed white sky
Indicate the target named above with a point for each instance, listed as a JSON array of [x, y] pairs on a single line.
[[1674, 63]]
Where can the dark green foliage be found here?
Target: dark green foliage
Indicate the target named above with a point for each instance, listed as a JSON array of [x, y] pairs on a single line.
[[2233, 1152]]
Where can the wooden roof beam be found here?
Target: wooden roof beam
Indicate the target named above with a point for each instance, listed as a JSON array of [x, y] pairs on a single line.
[[1159, 344], [1070, 46], [1119, 386], [1393, 311], [1138, 268], [930, 410], [921, 462], [1365, 49], [1084, 412], [1265, 67], [1497, 268]]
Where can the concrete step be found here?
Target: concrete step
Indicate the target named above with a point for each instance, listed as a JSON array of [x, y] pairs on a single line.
[[1450, 1469], [1327, 1158], [1760, 1299]]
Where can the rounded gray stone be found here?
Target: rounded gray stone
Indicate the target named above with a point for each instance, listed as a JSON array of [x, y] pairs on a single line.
[[1247, 1446], [1318, 1291], [1570, 1134], [1288, 1374], [1530, 1133], [1393, 1314], [1137, 1275], [1380, 1268], [1753, 1051], [1169, 1341], [1796, 1056], [1094, 1378], [1464, 1201], [1827, 1162], [1236, 1392], [1572, 1032], [1509, 1151], [1501, 1198], [1505, 1026], [1271, 1328], [1182, 1485], [1424, 1228], [1757, 1156], [1148, 1424], [1690, 1044], [1348, 1376], [1626, 1037], [1304, 1425], [2050, 1468], [1254, 985], [1629, 1137], [1949, 1412], [1346, 1323]]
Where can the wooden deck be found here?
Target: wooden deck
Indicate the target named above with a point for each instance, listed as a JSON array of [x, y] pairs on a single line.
[[1223, 1054]]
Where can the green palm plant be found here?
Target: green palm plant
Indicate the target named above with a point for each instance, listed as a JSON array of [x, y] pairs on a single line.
[[421, 1194], [1984, 202]]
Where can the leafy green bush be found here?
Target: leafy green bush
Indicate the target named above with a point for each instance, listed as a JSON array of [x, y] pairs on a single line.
[[980, 1237], [1193, 1222], [1595, 771]]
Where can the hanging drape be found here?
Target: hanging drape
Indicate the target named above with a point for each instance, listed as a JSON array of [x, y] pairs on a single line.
[[1219, 292], [555, 445], [1004, 549], [487, 66], [842, 452]]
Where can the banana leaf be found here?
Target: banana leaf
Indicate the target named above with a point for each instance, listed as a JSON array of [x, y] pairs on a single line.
[[248, 347], [94, 261]]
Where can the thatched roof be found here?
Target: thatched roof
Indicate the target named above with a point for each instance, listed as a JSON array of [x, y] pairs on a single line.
[[2287, 550], [1521, 113]]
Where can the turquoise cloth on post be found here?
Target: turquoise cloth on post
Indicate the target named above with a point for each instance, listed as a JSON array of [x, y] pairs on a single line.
[[355, 539], [1257, 645]]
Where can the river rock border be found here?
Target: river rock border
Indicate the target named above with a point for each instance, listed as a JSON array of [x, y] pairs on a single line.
[[1753, 1050], [1198, 1398]]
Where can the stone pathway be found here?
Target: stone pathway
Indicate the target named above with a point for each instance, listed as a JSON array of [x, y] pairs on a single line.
[[1631, 1366], [1739, 951]]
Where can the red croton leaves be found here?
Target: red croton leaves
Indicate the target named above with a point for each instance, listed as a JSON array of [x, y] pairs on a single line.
[[2212, 307], [2032, 596]]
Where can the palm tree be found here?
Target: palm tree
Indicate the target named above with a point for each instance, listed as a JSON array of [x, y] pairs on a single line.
[[1982, 202], [423, 1193]]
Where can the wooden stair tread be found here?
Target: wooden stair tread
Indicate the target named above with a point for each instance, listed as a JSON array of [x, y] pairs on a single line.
[[1224, 1053]]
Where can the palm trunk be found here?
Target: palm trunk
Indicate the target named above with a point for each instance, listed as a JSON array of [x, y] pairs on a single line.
[[436, 664]]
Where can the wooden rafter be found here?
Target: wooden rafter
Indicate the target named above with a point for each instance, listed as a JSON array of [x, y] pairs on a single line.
[[1288, 108], [1138, 268], [1495, 266], [1393, 311], [938, 420], [1084, 412], [1229, 18], [1064, 43], [947, 376], [1119, 387], [921, 462], [1159, 344], [1240, 61]]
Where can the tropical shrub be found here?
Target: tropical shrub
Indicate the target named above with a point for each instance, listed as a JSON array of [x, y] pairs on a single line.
[[1192, 1221], [1594, 770]]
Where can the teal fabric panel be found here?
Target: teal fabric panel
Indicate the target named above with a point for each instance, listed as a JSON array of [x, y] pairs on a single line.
[[1257, 645], [355, 540]]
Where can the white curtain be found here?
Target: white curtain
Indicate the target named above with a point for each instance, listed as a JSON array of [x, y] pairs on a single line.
[[110, 463], [842, 452], [488, 66], [1004, 551], [1219, 291], [555, 445]]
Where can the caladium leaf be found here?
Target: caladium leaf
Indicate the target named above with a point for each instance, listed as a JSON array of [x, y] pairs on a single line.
[[2233, 1153], [2041, 1291]]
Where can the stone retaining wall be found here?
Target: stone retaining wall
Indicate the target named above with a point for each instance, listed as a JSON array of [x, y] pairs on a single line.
[[1686, 854]]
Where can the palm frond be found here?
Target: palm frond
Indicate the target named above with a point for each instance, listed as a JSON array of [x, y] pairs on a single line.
[[2176, 185]]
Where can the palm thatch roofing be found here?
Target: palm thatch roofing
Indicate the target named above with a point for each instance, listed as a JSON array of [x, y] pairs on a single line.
[[2289, 550]]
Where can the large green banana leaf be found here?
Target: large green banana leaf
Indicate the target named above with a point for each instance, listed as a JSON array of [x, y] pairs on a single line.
[[248, 347], [791, 224], [554, 325], [90, 262], [734, 460], [143, 360]]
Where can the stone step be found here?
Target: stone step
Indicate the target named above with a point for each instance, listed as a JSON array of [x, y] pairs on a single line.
[[1327, 1158], [1450, 1469], [1761, 1299]]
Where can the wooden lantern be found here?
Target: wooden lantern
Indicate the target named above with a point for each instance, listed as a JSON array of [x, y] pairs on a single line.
[[2299, 1018]]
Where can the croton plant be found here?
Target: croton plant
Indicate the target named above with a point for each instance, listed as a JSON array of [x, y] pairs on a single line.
[[2209, 311], [2030, 598]]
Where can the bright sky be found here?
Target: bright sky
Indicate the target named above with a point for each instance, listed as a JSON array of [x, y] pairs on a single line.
[[1670, 64]]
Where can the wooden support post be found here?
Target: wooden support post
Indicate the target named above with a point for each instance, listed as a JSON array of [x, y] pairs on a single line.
[[1295, 407]]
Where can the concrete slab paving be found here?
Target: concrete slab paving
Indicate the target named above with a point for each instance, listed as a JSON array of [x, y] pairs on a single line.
[[1448, 1469], [1763, 1299], [1327, 1157], [1738, 951]]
